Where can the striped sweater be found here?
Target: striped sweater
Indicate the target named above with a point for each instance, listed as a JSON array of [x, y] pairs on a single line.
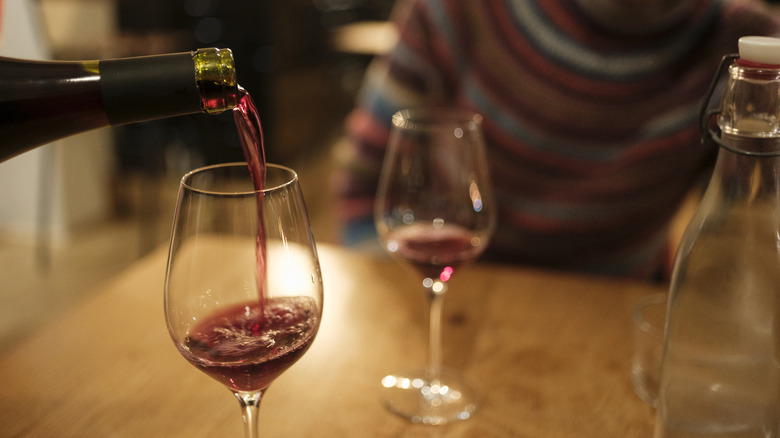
[[592, 137]]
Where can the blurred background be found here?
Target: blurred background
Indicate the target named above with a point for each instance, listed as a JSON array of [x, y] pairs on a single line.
[[75, 213]]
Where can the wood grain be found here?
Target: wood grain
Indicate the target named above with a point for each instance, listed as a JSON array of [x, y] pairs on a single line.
[[550, 352]]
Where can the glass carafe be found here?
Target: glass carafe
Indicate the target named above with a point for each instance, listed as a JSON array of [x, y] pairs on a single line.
[[720, 365]]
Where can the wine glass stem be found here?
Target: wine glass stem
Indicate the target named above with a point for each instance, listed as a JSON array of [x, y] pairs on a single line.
[[250, 409], [435, 296]]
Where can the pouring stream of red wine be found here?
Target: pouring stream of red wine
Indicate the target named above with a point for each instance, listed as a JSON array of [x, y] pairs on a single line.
[[250, 134], [247, 345]]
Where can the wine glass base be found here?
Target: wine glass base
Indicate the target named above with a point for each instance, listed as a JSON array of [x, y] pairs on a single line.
[[420, 400]]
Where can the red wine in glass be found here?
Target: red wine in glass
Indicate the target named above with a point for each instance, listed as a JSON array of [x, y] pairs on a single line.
[[229, 314], [434, 211], [246, 347], [435, 251]]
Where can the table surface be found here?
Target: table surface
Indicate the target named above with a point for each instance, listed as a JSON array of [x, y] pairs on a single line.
[[549, 351]]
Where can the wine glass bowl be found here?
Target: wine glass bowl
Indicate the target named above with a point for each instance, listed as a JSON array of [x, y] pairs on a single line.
[[434, 211], [243, 290]]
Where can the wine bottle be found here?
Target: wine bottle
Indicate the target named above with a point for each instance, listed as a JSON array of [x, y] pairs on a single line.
[[42, 101]]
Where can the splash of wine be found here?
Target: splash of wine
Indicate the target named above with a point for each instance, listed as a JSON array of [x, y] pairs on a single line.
[[250, 134]]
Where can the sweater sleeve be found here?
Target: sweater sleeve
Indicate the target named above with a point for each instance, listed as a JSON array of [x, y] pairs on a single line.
[[406, 77]]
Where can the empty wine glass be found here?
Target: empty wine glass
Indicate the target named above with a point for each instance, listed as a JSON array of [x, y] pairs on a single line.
[[243, 290], [434, 210]]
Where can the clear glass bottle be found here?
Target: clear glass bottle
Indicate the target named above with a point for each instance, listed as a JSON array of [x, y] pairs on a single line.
[[720, 365], [42, 101]]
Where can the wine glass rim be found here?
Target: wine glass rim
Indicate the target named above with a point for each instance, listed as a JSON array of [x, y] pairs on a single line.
[[425, 118], [185, 180]]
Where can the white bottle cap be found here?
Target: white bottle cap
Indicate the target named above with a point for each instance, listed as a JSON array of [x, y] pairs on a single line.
[[760, 50]]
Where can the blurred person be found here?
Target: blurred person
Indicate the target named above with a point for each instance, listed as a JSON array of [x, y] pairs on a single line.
[[590, 117]]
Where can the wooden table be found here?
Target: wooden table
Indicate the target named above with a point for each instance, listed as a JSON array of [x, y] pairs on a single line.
[[550, 352]]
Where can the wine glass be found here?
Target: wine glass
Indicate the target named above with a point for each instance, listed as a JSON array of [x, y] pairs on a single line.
[[243, 295], [434, 210]]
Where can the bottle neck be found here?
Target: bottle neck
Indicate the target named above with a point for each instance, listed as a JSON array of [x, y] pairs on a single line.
[[744, 178], [749, 120], [161, 86], [750, 107], [215, 76]]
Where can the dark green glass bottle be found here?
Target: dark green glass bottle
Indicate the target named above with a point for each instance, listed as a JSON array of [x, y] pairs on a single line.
[[42, 101]]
